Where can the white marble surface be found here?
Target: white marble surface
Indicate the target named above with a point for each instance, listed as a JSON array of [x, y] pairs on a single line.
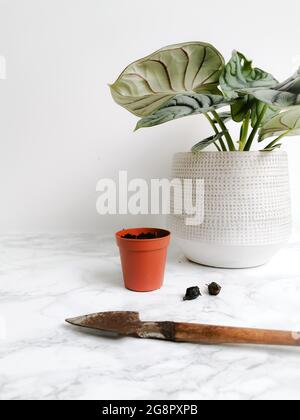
[[45, 279]]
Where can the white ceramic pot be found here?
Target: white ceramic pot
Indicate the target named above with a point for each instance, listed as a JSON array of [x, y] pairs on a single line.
[[247, 210]]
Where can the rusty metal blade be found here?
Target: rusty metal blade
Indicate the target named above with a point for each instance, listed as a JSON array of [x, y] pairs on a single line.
[[123, 323]]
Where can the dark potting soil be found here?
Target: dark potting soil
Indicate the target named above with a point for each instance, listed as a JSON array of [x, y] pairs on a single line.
[[148, 235], [192, 293], [214, 289]]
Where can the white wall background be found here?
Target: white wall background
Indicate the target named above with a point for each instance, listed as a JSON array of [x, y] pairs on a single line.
[[60, 130]]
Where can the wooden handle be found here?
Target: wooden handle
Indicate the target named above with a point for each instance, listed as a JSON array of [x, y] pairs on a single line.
[[208, 334]]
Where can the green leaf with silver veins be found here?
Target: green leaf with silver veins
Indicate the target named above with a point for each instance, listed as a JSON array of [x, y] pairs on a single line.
[[239, 75], [182, 106], [287, 122], [207, 142], [283, 95], [247, 104], [256, 110], [272, 148], [147, 84]]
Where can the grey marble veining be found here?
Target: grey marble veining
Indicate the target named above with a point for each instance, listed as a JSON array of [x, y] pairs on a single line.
[[45, 279]]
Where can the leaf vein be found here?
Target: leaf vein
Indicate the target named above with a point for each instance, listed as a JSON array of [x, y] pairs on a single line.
[[201, 65], [145, 80], [166, 70]]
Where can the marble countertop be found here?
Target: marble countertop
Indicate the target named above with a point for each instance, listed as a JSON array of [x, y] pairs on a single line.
[[45, 279]]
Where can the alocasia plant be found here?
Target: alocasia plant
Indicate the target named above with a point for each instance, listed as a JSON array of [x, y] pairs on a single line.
[[192, 78]]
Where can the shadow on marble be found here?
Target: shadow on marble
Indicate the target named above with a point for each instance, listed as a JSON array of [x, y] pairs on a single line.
[[93, 333]]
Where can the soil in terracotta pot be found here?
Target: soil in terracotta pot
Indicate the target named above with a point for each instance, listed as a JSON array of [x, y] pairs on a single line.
[[142, 236]]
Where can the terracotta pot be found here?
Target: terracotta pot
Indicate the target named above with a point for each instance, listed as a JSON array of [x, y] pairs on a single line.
[[143, 260]]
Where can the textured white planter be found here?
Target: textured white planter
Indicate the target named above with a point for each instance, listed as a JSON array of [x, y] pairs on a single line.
[[247, 211]]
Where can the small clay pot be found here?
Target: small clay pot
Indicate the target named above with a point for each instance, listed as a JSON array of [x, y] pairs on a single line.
[[143, 260]]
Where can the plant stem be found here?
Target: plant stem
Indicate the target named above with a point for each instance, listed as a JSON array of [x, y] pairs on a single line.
[[223, 147], [226, 132], [248, 145], [244, 132], [274, 142], [218, 147]]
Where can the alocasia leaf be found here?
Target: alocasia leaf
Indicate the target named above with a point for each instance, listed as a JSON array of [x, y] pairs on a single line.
[[239, 74], [248, 105], [275, 98], [147, 84], [287, 122], [281, 96], [257, 109], [240, 108], [291, 85], [182, 106], [238, 78], [271, 148], [207, 142]]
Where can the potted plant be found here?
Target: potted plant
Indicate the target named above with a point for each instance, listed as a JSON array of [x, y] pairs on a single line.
[[247, 201]]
